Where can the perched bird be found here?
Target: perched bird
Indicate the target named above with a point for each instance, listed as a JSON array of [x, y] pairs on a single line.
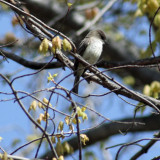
[[90, 49]]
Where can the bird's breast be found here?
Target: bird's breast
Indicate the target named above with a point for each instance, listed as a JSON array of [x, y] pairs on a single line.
[[93, 51]]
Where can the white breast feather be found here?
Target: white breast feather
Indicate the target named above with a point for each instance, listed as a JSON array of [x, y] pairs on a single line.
[[91, 54], [93, 51]]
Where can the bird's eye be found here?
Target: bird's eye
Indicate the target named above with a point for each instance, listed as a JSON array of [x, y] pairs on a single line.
[[103, 37]]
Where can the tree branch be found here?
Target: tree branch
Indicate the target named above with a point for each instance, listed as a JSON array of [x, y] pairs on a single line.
[[145, 148], [142, 63], [31, 64], [110, 129]]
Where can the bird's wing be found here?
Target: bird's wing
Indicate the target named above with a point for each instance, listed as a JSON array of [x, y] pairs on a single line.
[[83, 45]]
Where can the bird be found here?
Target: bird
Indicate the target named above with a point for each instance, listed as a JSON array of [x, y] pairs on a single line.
[[90, 49]]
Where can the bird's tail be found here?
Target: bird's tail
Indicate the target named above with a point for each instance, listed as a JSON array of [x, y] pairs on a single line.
[[76, 84]]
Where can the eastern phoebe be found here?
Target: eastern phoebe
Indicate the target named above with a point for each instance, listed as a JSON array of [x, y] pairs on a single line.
[[90, 49]]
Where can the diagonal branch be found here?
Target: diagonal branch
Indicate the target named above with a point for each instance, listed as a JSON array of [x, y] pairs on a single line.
[[145, 148], [89, 24]]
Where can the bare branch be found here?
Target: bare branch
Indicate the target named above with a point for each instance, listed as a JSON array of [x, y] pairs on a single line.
[[146, 147]]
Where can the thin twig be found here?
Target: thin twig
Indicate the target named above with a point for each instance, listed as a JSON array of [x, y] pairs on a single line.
[[98, 16]]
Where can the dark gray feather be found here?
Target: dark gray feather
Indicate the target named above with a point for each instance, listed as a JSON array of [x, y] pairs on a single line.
[[82, 47]]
